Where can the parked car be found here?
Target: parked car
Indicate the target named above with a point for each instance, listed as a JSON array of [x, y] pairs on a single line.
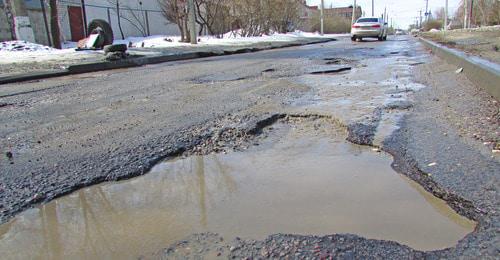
[[369, 27]]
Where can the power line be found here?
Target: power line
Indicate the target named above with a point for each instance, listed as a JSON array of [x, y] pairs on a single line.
[[110, 7]]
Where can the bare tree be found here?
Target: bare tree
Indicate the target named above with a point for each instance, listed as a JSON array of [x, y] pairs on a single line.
[[284, 15], [214, 15], [485, 12], [136, 17], [176, 11], [258, 17], [248, 17]]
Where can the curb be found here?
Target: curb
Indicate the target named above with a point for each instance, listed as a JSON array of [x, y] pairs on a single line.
[[141, 61], [483, 73]]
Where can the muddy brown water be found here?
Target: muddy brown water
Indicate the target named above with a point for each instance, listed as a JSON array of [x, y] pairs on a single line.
[[295, 183]]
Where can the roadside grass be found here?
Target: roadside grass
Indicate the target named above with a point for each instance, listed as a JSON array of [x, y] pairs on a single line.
[[485, 44]]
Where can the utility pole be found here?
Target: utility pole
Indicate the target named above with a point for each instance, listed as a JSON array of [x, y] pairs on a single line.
[[420, 15], [426, 10], [192, 21], [54, 24], [46, 23], [354, 9], [373, 8], [446, 16], [84, 15], [321, 17], [465, 14]]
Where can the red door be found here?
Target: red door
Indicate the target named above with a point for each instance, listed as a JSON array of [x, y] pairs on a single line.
[[76, 23]]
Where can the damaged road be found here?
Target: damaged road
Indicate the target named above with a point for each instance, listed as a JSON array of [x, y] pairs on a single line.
[[61, 134]]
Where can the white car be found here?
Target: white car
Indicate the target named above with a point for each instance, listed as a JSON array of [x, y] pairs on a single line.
[[369, 27]]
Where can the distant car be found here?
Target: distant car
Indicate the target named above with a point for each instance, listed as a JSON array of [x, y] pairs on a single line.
[[369, 27], [399, 32]]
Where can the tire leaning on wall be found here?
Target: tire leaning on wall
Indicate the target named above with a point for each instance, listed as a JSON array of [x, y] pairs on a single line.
[[104, 26]]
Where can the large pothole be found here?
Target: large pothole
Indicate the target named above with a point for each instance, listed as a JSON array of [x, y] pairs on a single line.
[[303, 179]]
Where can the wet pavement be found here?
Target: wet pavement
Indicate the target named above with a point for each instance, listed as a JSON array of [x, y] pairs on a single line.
[[302, 179], [64, 134]]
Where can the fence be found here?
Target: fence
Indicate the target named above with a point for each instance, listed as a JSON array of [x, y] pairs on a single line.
[[143, 19]]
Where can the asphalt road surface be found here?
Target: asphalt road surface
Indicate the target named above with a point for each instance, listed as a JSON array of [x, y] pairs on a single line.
[[61, 134]]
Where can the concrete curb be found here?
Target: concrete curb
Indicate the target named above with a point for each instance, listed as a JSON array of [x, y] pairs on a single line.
[[141, 61], [483, 73]]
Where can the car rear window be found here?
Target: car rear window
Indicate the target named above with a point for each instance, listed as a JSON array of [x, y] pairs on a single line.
[[368, 20]]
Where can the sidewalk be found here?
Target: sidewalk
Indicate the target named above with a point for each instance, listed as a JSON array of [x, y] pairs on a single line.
[[35, 64]]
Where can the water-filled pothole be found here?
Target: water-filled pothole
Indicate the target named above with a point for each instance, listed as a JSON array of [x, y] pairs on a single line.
[[302, 179], [330, 71]]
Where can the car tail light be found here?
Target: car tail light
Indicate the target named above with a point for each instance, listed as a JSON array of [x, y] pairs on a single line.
[[356, 26], [376, 26]]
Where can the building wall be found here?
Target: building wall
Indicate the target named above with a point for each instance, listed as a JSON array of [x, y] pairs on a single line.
[[38, 25], [133, 17], [133, 21]]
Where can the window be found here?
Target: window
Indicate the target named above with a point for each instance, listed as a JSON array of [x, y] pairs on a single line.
[[33, 4], [368, 20]]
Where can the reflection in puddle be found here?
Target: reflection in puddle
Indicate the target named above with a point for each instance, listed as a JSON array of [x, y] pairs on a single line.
[[298, 184]]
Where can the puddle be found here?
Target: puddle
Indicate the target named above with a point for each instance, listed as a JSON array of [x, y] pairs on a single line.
[[301, 180]]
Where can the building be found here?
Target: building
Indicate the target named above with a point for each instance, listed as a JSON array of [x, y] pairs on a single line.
[[343, 12], [137, 17], [309, 13]]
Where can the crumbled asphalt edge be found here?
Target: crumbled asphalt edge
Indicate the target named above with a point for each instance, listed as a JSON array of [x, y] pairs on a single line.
[[363, 132], [403, 164], [229, 132], [281, 246], [337, 246], [238, 134]]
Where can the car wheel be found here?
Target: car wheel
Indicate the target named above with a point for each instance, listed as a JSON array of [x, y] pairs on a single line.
[[353, 38], [385, 38], [380, 38]]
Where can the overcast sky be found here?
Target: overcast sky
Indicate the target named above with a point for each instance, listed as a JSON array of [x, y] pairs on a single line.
[[403, 12]]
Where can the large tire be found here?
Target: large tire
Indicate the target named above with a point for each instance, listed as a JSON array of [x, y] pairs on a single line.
[[353, 38], [104, 27]]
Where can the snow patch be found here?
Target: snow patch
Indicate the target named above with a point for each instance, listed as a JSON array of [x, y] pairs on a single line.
[[23, 46]]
